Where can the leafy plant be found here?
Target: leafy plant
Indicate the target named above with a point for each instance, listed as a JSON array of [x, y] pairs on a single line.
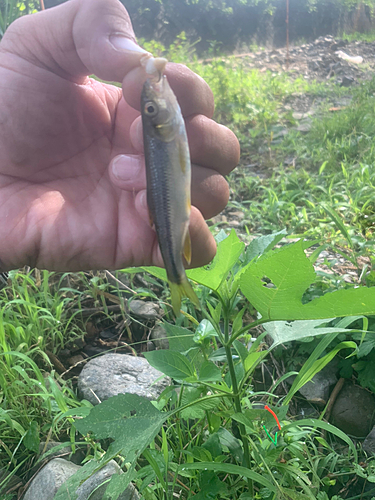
[[213, 366]]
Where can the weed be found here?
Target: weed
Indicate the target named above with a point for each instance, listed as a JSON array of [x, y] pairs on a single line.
[[216, 433]]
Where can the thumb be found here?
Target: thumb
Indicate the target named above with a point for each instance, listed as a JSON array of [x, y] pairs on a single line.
[[76, 39]]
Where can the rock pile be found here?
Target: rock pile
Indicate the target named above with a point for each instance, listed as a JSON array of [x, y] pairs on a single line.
[[320, 60]]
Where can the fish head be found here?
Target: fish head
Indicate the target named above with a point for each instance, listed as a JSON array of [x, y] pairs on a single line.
[[160, 111]]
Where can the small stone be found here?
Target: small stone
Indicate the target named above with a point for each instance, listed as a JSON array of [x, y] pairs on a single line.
[[127, 375], [145, 310], [347, 81], [238, 215], [109, 333], [234, 223], [304, 126], [48, 480], [159, 337], [92, 490], [45, 484], [298, 116]]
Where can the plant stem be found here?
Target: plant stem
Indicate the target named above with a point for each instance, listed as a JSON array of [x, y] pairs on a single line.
[[246, 328], [236, 397]]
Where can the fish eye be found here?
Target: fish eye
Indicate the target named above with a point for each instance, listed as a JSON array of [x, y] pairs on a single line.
[[151, 109]]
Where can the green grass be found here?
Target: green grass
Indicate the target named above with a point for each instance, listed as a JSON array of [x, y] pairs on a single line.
[[356, 36]]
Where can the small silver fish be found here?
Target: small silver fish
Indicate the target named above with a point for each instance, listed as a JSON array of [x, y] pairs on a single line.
[[168, 179]]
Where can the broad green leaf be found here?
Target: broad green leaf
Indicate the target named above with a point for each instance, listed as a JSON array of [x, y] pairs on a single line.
[[180, 339], [253, 360], [171, 363], [213, 445], [209, 372], [233, 444], [291, 273], [282, 331], [118, 418], [117, 485], [231, 469], [204, 331], [228, 252], [210, 486], [198, 405], [31, 439]]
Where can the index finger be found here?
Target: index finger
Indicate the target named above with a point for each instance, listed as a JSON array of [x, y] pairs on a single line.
[[193, 93]]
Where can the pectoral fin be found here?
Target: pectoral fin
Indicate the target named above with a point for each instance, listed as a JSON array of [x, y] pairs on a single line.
[[187, 248]]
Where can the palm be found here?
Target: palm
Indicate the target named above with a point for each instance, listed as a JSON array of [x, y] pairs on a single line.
[[61, 196]]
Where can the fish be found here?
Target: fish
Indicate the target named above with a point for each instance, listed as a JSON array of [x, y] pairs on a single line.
[[168, 173]]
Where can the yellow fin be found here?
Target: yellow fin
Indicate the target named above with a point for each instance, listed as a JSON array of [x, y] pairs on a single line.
[[182, 290], [187, 247]]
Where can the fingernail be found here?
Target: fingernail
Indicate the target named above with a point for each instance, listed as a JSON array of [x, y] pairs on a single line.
[[126, 167], [121, 42]]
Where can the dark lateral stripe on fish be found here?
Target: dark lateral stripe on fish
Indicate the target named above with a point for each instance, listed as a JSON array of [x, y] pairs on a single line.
[[160, 196]]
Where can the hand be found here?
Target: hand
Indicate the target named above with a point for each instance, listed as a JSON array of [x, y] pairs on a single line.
[[72, 177]]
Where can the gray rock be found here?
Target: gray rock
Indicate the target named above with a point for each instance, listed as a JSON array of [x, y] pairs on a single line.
[[45, 484], [317, 391], [369, 443], [319, 388], [347, 81], [48, 480], [145, 310], [353, 410], [93, 482], [111, 374], [305, 126], [159, 337]]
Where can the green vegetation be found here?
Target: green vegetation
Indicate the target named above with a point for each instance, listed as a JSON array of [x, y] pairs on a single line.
[[209, 435], [216, 440]]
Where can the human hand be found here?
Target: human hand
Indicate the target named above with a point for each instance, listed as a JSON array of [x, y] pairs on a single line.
[[72, 177]]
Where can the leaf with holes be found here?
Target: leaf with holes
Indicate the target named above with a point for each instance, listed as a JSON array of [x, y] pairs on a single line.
[[118, 418], [275, 285]]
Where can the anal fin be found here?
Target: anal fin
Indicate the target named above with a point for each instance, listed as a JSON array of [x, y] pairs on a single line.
[[187, 248]]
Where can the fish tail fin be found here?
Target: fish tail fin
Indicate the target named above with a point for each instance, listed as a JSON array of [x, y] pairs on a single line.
[[178, 291]]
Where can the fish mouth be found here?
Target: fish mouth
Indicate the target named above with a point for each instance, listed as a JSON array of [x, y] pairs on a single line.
[[155, 85], [154, 66]]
